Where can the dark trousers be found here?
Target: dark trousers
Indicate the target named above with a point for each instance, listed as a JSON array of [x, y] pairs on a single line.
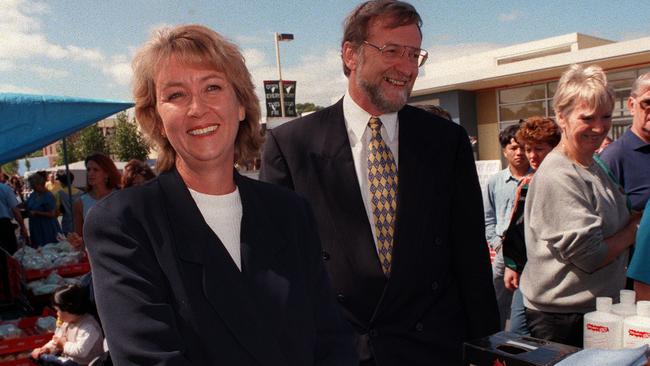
[[8, 235], [563, 328], [52, 360]]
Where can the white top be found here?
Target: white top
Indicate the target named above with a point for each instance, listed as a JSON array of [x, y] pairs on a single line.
[[84, 340], [223, 214], [356, 123]]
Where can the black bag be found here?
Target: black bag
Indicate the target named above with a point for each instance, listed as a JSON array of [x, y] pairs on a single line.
[[514, 240]]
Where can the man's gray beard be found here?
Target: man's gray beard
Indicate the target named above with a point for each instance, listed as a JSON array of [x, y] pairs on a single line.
[[379, 100]]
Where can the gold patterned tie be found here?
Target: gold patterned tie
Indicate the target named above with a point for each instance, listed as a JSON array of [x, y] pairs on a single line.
[[382, 181]]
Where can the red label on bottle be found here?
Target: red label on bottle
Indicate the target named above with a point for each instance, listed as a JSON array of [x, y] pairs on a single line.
[[597, 328], [638, 333]]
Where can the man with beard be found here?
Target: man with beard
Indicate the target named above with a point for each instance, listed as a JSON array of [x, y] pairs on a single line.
[[396, 197]]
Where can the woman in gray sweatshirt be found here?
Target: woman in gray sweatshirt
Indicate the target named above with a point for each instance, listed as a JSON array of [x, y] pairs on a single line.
[[578, 227]]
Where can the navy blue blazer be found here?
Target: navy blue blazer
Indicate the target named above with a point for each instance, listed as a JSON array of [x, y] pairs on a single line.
[[168, 292], [440, 291]]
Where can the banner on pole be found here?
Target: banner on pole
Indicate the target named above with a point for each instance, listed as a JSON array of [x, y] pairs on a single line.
[[272, 93]]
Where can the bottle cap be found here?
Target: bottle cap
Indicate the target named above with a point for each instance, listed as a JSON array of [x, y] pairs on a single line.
[[643, 308], [603, 304], [628, 297]]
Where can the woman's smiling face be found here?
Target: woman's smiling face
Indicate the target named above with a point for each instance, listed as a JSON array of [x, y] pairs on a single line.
[[200, 113], [585, 129]]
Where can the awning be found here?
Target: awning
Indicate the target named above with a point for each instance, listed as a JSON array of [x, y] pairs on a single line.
[[29, 122]]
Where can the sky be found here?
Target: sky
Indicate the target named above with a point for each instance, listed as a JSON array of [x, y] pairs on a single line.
[[83, 48]]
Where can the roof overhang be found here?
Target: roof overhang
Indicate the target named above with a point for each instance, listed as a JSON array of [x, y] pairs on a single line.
[[482, 71]]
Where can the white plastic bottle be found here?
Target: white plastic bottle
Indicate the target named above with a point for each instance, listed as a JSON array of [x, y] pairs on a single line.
[[636, 329], [626, 307], [602, 329]]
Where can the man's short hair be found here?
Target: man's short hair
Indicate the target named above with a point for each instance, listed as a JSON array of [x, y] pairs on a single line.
[[507, 135], [437, 110], [641, 85], [355, 27], [62, 177]]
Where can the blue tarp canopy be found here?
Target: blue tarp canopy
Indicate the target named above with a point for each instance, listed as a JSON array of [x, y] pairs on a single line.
[[29, 122]]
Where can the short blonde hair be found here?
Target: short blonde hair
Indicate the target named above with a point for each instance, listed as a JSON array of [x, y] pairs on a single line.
[[579, 84], [193, 44]]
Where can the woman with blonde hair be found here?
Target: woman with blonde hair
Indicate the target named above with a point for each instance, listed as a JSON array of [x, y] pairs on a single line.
[[213, 267], [578, 226]]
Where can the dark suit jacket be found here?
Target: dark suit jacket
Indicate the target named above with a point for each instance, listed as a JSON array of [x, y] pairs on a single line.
[[168, 292], [440, 291]]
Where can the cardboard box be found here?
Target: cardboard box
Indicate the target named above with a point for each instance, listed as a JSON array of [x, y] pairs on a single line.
[[510, 349]]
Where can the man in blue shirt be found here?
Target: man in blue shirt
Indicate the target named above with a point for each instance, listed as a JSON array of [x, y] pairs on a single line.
[[629, 156], [8, 210], [498, 201]]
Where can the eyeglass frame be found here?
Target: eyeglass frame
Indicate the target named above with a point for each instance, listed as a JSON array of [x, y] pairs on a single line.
[[421, 52], [644, 104]]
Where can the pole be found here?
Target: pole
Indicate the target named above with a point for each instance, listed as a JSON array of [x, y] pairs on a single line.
[[67, 170], [277, 56]]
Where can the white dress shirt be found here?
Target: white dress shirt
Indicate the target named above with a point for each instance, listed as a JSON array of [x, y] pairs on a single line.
[[356, 124]]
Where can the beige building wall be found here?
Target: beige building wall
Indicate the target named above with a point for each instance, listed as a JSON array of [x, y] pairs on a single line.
[[488, 128]]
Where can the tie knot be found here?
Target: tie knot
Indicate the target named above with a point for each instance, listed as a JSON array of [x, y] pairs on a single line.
[[374, 123]]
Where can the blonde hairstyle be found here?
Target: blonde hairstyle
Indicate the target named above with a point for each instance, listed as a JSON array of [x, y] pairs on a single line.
[[193, 44], [579, 84]]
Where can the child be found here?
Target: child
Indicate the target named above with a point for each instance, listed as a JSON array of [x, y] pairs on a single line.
[[78, 337]]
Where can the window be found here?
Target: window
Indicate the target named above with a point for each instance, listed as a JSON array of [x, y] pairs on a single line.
[[525, 101], [537, 100]]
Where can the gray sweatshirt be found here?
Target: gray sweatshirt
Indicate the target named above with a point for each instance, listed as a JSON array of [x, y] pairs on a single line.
[[569, 212]]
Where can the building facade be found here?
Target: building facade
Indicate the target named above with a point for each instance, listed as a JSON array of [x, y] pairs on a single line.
[[491, 90]]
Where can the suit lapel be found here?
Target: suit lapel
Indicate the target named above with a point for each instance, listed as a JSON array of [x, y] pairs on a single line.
[[225, 287], [414, 162], [334, 167]]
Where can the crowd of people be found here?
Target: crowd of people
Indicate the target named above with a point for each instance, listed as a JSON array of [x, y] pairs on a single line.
[[53, 206], [55, 209], [363, 243], [565, 233]]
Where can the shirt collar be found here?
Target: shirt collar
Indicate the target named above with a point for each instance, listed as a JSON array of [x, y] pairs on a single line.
[[508, 174], [356, 118], [632, 140]]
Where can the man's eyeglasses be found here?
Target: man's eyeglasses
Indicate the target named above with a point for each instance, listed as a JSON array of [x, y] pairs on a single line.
[[644, 104], [393, 51]]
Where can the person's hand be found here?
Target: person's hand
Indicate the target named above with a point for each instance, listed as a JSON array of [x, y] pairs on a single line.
[[511, 279], [75, 240], [25, 234], [633, 223], [59, 341], [37, 352]]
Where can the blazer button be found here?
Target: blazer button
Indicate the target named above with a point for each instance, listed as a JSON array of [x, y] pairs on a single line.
[[434, 286], [419, 327], [437, 241], [372, 333], [326, 255], [340, 298]]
